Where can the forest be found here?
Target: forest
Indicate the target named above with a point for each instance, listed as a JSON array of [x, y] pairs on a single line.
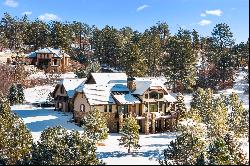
[[154, 52]]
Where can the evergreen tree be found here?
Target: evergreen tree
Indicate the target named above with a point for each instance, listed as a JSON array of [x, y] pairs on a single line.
[[59, 147], [15, 138], [187, 147], [20, 94], [180, 61], [13, 97], [181, 107], [202, 101], [223, 59], [95, 126], [238, 116], [130, 134], [218, 153]]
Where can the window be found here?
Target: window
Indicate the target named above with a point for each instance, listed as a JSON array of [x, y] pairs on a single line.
[[110, 108], [105, 108], [146, 96], [55, 61], [153, 95], [60, 105], [153, 107], [160, 106], [62, 89], [82, 107], [160, 95]]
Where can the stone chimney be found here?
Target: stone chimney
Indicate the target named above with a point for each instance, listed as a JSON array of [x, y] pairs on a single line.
[[131, 84]]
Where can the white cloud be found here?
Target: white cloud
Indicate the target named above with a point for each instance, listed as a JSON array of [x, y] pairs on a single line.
[[141, 7], [204, 22], [11, 3], [216, 12], [48, 17], [27, 13], [203, 15]]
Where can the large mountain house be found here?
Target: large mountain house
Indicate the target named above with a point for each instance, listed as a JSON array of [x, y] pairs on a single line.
[[116, 95], [49, 57], [64, 92]]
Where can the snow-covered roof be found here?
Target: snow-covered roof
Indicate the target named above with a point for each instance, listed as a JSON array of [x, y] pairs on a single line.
[[32, 55], [169, 98], [144, 83], [71, 84], [119, 87], [126, 99], [97, 93], [58, 53], [106, 78]]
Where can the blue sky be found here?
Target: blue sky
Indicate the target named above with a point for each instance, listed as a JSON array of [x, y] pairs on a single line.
[[201, 15]]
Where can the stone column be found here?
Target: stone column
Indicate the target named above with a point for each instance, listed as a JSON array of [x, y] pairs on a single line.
[[120, 121], [153, 124], [171, 122], [162, 123], [146, 123]]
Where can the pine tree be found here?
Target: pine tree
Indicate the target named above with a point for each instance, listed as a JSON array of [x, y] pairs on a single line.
[[20, 94], [181, 107], [179, 61], [202, 103], [13, 97], [15, 138], [238, 117], [130, 134], [95, 126], [187, 147], [237, 157], [218, 153], [59, 147]]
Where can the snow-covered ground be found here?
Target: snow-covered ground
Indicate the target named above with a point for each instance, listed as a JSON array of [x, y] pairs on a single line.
[[38, 94], [37, 119], [42, 75]]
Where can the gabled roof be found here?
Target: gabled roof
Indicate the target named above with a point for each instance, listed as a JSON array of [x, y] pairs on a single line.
[[97, 94], [145, 83], [57, 53], [71, 84], [106, 78]]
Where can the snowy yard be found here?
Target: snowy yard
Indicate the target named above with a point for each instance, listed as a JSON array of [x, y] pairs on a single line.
[[38, 119]]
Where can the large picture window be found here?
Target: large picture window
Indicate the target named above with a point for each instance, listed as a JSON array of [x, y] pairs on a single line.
[[153, 107], [153, 95]]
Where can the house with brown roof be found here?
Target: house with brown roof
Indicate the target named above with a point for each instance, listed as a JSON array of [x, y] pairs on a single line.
[[117, 96]]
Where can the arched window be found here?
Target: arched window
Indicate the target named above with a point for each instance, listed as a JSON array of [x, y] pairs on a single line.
[[82, 107], [153, 95]]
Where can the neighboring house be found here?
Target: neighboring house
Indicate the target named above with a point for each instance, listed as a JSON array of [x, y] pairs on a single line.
[[63, 93], [116, 96], [49, 57]]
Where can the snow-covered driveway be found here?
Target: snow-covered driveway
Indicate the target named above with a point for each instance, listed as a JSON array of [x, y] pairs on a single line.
[[37, 119]]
